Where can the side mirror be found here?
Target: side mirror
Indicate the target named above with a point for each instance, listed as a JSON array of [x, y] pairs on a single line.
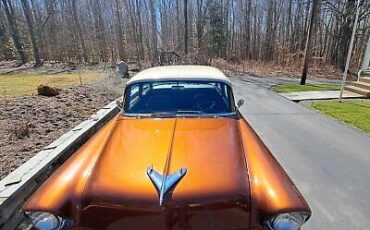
[[240, 103], [119, 103]]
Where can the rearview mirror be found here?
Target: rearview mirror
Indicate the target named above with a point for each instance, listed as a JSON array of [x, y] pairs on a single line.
[[119, 103], [240, 103]]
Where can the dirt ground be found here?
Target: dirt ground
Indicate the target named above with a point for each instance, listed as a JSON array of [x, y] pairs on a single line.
[[29, 123]]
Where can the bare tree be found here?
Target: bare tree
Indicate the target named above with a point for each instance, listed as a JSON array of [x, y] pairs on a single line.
[[28, 15], [311, 34], [119, 30], [345, 32], [186, 27], [4, 49], [274, 31], [100, 30], [14, 30], [140, 29], [201, 11], [79, 29], [154, 32]]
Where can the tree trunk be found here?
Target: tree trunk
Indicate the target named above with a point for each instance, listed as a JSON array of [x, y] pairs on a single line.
[[28, 15], [186, 40], [345, 33], [14, 31], [119, 38], [154, 32], [200, 25], [52, 47], [311, 34], [269, 32], [140, 27], [4, 49], [289, 25], [247, 36], [79, 29]]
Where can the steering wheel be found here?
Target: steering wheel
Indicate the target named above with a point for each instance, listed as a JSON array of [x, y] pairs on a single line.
[[204, 103]]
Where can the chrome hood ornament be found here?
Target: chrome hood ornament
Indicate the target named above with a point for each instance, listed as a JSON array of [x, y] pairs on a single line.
[[165, 183]]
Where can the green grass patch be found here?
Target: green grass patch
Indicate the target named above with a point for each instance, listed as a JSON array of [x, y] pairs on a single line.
[[302, 88], [355, 113], [13, 85]]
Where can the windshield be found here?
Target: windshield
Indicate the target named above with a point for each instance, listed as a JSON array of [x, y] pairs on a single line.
[[178, 98]]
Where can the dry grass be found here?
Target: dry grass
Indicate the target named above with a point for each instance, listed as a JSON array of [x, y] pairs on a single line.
[[269, 69], [21, 130], [13, 85]]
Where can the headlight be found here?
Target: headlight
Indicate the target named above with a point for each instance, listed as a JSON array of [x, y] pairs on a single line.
[[287, 221], [46, 221]]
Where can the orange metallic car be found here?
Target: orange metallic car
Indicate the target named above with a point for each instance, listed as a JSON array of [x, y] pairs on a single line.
[[178, 156]]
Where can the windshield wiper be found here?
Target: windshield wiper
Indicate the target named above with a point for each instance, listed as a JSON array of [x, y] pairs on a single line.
[[174, 114], [188, 112], [163, 114]]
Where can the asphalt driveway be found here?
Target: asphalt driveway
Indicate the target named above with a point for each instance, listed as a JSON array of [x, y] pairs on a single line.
[[327, 160]]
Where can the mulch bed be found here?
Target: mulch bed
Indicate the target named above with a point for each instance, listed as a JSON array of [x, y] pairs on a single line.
[[29, 123]]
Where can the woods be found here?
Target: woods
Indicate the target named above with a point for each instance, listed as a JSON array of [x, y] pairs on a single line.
[[158, 31]]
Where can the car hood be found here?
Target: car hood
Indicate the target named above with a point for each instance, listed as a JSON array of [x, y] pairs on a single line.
[[105, 184], [210, 149]]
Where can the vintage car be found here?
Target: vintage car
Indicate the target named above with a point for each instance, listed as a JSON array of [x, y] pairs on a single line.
[[179, 155]]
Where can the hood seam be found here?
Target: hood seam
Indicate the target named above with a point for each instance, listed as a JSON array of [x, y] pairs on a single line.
[[95, 162]]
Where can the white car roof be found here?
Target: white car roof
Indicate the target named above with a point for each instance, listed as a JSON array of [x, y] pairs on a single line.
[[181, 72]]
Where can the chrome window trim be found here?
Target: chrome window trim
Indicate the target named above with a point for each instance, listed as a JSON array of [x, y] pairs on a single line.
[[149, 115], [181, 115], [179, 79]]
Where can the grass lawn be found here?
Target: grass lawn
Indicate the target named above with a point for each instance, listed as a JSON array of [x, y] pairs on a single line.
[[355, 113], [301, 88], [13, 85]]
